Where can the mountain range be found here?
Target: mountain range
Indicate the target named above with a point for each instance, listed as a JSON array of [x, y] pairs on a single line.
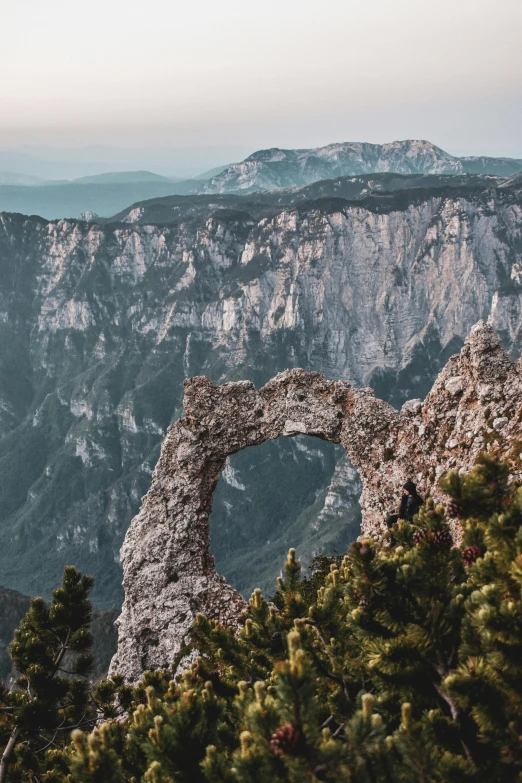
[[277, 168], [103, 194], [108, 193], [372, 278], [71, 199], [68, 163], [176, 209]]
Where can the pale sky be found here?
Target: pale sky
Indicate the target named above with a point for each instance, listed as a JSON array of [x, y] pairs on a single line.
[[289, 73]]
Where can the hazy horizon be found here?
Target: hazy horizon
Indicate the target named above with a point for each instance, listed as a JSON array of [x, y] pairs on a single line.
[[236, 77], [55, 163]]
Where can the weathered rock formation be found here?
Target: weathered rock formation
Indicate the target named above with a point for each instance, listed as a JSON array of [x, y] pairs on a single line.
[[169, 574]]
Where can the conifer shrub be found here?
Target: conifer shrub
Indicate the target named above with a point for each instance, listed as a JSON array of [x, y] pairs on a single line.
[[403, 664], [53, 694], [51, 653]]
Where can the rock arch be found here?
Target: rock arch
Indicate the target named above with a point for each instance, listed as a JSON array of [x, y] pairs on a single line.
[[169, 573]]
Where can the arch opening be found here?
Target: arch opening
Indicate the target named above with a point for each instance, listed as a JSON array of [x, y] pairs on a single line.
[[299, 491]]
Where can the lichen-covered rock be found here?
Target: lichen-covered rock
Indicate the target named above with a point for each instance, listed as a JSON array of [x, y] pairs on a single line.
[[169, 573]]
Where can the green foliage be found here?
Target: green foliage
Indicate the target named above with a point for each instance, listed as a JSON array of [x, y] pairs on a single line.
[[51, 653], [95, 758], [319, 569], [488, 680], [398, 663], [13, 608]]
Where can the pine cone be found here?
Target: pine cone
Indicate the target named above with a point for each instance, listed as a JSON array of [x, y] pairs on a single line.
[[453, 509], [285, 740], [470, 554], [364, 604], [442, 539], [365, 551], [420, 535]]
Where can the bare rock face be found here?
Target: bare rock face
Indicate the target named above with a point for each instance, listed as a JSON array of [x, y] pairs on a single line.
[[169, 573]]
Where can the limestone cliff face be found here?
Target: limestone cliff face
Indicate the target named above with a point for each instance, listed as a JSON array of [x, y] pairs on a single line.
[[100, 324], [169, 574]]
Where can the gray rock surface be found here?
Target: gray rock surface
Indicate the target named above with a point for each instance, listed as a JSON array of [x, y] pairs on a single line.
[[169, 573]]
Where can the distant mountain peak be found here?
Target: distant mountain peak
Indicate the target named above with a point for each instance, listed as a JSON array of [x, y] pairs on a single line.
[[283, 168], [88, 216]]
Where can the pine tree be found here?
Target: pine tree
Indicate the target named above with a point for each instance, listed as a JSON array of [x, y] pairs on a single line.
[[51, 654], [488, 680], [397, 663]]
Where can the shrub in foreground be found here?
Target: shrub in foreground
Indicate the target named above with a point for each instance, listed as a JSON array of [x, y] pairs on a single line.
[[403, 663]]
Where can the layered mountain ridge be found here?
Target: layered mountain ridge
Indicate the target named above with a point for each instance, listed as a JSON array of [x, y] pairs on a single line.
[[265, 170], [378, 192]]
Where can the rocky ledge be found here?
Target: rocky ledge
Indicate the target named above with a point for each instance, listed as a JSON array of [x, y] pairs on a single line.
[[169, 573]]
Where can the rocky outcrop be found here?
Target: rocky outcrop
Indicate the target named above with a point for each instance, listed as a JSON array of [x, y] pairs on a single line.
[[169, 573]]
